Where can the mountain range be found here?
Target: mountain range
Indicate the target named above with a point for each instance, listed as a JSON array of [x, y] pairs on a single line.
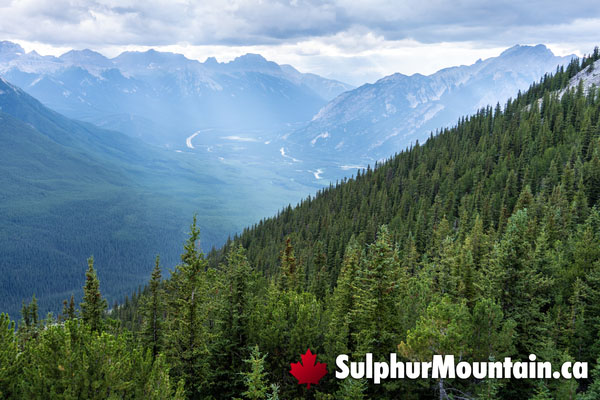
[[165, 97], [376, 120]]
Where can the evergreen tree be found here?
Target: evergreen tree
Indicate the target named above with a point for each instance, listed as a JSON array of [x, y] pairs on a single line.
[[341, 329], [152, 330], [520, 288], [291, 277], [9, 376], [376, 297], [71, 312], [255, 379], [187, 339], [320, 282], [351, 389], [445, 329], [158, 386], [93, 305], [29, 315], [33, 311], [237, 282], [593, 391], [493, 335]]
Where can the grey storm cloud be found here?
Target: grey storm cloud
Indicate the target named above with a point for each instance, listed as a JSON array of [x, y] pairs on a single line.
[[252, 22]]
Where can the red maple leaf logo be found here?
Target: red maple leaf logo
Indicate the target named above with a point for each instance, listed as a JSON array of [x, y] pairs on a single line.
[[310, 371]]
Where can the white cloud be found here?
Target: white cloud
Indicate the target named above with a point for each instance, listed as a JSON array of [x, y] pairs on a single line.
[[354, 41], [240, 139]]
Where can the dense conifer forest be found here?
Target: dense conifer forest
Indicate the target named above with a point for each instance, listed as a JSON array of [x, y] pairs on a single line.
[[483, 243]]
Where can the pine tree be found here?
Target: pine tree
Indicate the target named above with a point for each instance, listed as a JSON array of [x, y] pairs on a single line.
[[180, 391], [255, 379], [542, 392], [493, 334], [466, 268], [158, 385], [93, 305], [446, 328]]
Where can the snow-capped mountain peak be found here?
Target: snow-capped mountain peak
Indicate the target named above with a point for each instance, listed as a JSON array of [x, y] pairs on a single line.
[[10, 51]]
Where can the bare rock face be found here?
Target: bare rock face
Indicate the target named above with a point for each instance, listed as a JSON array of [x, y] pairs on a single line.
[[589, 76]]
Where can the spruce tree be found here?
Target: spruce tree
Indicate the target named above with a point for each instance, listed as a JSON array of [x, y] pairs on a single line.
[[376, 298], [236, 284], [153, 309], [186, 338]]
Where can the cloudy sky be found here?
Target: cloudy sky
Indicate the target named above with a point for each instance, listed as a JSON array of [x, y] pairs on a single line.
[[351, 40]]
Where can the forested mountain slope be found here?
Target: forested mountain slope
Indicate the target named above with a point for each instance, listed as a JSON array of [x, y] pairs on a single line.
[[70, 190], [484, 243], [478, 167]]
